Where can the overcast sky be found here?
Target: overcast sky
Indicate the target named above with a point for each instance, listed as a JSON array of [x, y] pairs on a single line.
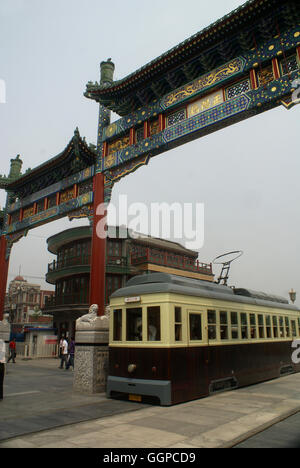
[[247, 175]]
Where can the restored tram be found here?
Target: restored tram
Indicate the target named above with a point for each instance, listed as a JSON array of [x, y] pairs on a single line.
[[176, 339]]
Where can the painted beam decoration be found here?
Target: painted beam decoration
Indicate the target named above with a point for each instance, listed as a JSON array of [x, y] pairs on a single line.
[[71, 196], [246, 63], [54, 202], [241, 88]]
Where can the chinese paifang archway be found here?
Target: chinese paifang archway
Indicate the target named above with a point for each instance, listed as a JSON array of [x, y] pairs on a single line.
[[244, 64]]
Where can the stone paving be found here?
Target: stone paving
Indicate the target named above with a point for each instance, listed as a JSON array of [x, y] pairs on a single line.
[[40, 410]]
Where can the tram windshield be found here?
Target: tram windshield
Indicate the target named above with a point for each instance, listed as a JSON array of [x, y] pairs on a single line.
[[134, 331]]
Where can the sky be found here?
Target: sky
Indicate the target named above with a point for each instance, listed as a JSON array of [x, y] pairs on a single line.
[[246, 176]]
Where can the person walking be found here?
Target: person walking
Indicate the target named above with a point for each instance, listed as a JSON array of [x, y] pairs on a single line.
[[2, 367], [12, 350], [64, 354], [71, 354]]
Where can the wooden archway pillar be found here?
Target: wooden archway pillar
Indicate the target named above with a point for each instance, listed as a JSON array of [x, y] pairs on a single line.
[[4, 264], [98, 251]]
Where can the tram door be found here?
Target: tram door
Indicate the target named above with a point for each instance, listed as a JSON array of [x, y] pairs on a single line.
[[198, 352]]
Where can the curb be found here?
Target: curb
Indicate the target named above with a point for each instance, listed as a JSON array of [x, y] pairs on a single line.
[[260, 428]]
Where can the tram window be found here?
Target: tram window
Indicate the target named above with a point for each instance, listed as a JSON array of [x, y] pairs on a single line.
[[234, 326], [268, 326], [223, 325], [195, 327], [275, 327], [178, 324], [153, 323], [244, 326], [281, 327], [287, 326], [293, 325], [261, 328], [117, 325], [134, 324], [253, 332], [212, 324]]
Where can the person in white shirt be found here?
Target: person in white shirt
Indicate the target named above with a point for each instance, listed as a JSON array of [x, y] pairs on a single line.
[[2, 367], [64, 354]]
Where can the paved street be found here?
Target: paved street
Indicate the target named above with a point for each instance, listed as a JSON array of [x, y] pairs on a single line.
[[285, 434], [40, 410], [38, 395]]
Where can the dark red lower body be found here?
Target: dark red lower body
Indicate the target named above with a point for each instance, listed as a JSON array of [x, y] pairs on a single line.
[[196, 372]]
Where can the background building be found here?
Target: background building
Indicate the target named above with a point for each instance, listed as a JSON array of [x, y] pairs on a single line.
[[126, 256], [24, 303]]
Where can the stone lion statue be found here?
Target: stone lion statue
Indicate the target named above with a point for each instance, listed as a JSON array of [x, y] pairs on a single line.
[[92, 321], [91, 316]]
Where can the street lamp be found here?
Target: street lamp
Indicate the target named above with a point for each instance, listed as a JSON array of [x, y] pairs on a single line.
[[292, 294]]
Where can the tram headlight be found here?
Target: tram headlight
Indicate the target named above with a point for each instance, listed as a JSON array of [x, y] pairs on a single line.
[[131, 368]]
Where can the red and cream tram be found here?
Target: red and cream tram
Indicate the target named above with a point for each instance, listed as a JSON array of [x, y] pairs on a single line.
[[176, 339]]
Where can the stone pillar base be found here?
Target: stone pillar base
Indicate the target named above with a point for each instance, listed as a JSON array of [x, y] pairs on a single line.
[[91, 355], [5, 333]]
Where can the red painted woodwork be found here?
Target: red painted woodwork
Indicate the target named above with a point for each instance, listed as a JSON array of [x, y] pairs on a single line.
[[253, 79], [4, 263], [97, 274], [275, 67]]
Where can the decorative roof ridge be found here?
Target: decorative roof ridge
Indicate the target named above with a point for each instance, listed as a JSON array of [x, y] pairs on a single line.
[[75, 140], [103, 89]]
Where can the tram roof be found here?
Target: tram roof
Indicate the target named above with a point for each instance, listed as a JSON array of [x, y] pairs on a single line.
[[166, 283]]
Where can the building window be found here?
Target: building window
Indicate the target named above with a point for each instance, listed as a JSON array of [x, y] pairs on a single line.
[[112, 283], [176, 117], [114, 248], [237, 89]]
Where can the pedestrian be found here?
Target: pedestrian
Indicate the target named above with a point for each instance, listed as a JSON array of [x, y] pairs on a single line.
[[12, 350], [71, 354], [2, 367], [64, 354], [60, 346]]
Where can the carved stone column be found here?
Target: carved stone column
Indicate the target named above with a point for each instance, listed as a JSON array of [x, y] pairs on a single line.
[[5, 332], [91, 353]]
